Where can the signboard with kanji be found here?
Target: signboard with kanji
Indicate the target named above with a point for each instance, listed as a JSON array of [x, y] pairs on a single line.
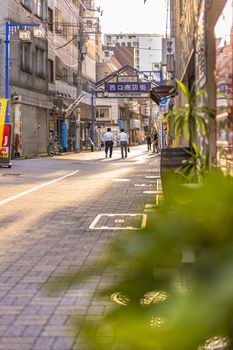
[[127, 79], [128, 87], [3, 105], [5, 152], [123, 94]]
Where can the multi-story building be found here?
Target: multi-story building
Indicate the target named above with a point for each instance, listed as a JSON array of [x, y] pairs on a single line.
[[147, 48], [72, 53], [29, 101], [143, 52], [107, 109], [192, 25], [47, 73], [224, 82]]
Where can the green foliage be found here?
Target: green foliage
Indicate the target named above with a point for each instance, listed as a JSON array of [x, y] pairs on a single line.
[[196, 167], [191, 117], [175, 278]]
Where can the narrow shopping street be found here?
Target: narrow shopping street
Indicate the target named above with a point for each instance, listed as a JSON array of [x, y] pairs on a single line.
[[48, 225]]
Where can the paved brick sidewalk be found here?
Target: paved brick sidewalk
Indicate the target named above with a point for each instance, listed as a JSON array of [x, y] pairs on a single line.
[[49, 233]]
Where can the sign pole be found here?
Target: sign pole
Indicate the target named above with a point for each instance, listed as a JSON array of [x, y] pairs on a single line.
[[7, 42], [92, 121]]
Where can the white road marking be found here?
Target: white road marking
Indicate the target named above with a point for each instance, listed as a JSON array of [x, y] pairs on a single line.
[[152, 177], [36, 188], [120, 180], [152, 192], [99, 216]]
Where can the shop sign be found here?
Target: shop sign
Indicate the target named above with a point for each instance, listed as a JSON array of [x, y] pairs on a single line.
[[123, 94], [146, 121], [3, 105], [127, 79], [128, 87], [134, 123], [6, 144]]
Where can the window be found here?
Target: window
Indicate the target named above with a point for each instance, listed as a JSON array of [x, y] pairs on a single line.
[[181, 7], [40, 62], [50, 71], [39, 8], [25, 57], [65, 74], [50, 19], [75, 79], [59, 67], [58, 21], [27, 4], [102, 113]]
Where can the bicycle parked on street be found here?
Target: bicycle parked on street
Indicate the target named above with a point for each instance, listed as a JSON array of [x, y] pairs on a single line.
[[54, 147], [14, 152]]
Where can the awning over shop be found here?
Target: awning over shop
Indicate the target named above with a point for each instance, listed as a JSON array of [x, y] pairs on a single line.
[[162, 91]]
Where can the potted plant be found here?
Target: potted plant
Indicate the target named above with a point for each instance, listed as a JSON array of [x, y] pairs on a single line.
[[191, 119]]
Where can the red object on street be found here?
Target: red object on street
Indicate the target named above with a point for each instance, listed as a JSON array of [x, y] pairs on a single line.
[[5, 151]]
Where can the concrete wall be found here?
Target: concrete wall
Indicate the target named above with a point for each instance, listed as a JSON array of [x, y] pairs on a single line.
[[193, 27], [34, 129], [150, 52], [32, 90]]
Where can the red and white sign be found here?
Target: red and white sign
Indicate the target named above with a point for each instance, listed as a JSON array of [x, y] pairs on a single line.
[[4, 152]]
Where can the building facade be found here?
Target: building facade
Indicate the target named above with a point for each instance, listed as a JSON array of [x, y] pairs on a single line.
[[28, 60], [192, 25], [147, 48], [224, 83], [49, 70], [72, 53]]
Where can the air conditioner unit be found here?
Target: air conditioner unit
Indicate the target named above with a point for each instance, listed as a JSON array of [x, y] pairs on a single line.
[[38, 33], [25, 35]]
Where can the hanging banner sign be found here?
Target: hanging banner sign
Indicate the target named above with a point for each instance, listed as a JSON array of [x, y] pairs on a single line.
[[123, 94], [5, 152], [127, 79], [3, 105], [128, 87]]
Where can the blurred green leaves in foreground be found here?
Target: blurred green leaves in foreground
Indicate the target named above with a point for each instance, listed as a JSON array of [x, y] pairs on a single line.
[[174, 285]]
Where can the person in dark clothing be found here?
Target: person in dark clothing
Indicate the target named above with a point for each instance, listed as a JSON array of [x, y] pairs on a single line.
[[148, 142], [156, 142]]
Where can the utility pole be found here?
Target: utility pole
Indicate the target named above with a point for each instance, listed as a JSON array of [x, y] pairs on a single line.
[[80, 39]]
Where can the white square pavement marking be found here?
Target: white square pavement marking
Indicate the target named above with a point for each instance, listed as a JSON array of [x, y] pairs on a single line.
[[119, 222], [152, 177], [152, 192], [120, 180]]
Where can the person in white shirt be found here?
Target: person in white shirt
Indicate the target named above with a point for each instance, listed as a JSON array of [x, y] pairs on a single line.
[[124, 141], [108, 138]]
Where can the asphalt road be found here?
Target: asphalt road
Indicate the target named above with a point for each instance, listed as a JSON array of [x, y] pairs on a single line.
[[56, 215]]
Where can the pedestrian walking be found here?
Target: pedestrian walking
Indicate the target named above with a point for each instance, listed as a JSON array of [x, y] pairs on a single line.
[[148, 142], [156, 142], [124, 142], [108, 138]]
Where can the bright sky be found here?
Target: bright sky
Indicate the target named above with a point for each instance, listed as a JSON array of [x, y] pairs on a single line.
[[132, 16]]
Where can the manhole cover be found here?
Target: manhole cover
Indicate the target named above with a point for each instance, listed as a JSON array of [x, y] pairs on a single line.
[[119, 222]]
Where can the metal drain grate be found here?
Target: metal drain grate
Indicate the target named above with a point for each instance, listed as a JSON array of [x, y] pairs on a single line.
[[119, 222]]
